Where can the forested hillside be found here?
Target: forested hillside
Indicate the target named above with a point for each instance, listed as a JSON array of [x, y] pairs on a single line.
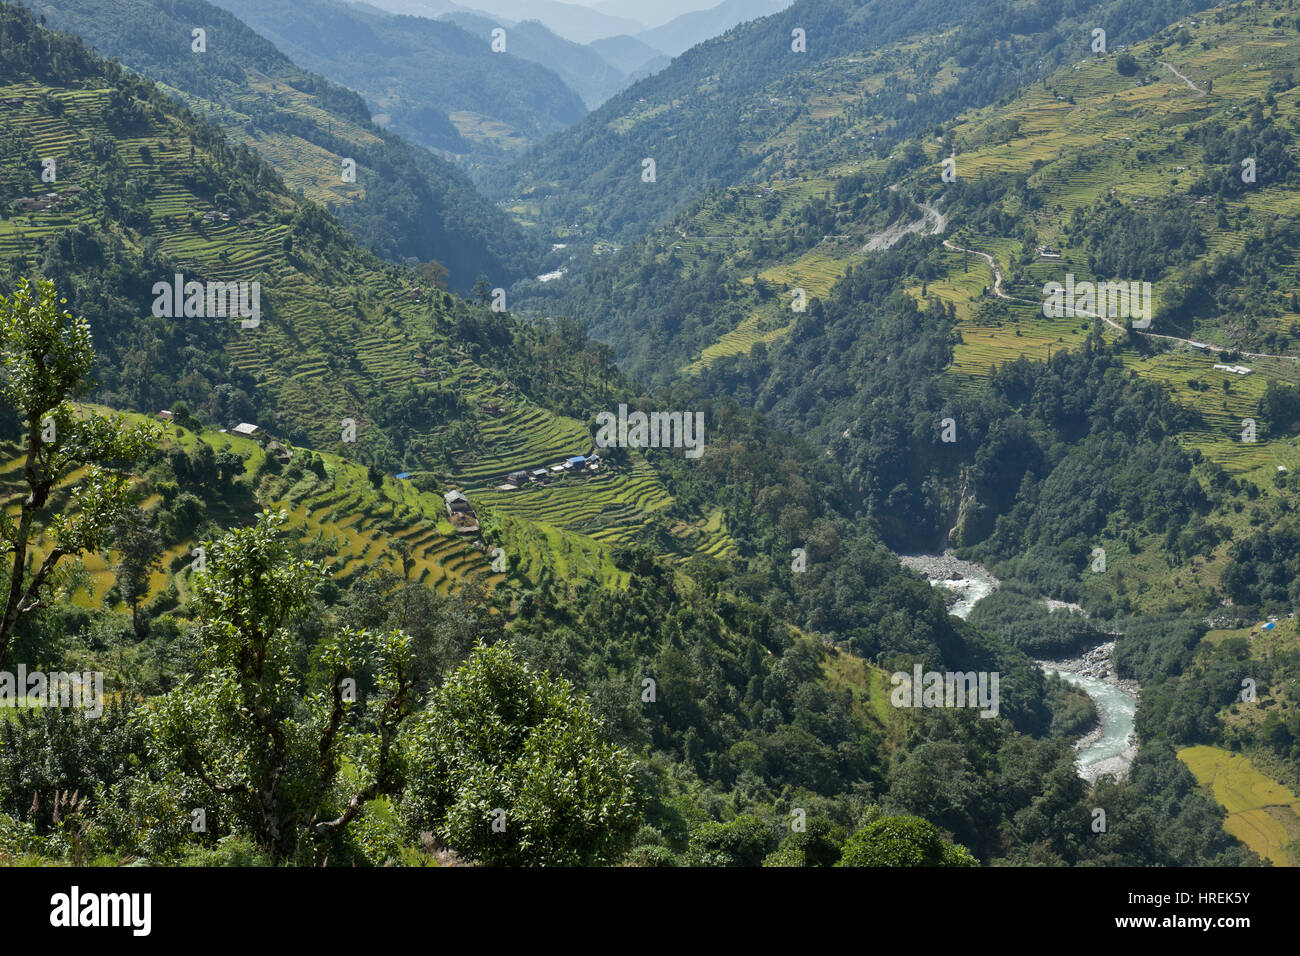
[[400, 200]]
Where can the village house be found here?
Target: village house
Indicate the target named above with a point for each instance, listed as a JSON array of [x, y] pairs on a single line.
[[461, 513]]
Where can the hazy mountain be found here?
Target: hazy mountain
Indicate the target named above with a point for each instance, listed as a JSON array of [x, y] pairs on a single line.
[[687, 30], [651, 15], [581, 24], [628, 54], [581, 67], [418, 74]]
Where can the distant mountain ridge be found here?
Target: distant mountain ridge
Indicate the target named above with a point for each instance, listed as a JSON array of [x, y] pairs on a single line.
[[685, 31], [582, 68], [427, 80], [628, 54], [575, 22]]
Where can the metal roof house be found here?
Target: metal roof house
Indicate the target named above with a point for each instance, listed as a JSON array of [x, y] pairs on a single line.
[[461, 513], [247, 429]]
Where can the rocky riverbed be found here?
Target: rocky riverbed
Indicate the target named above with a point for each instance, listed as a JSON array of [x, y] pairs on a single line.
[[1108, 748], [965, 583], [1111, 746]]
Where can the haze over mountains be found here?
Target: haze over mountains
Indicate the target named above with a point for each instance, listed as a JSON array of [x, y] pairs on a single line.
[[426, 80], [579, 23], [828, 234]]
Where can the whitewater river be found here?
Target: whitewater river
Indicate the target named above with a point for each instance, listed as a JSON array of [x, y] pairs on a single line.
[[1109, 748]]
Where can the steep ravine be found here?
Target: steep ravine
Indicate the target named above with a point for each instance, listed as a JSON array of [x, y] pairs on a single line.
[[1108, 748]]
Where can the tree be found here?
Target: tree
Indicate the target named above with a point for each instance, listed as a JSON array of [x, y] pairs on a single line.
[[269, 754], [402, 548], [744, 841], [1126, 64], [818, 845], [1279, 407], [230, 466], [903, 841], [511, 767], [46, 356], [434, 273], [140, 545]]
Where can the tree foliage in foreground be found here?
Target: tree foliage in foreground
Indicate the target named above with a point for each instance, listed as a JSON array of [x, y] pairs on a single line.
[[45, 359], [511, 767], [903, 841], [293, 764]]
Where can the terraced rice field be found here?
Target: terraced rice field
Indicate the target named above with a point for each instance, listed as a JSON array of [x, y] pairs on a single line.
[[816, 272], [606, 507], [1262, 813], [347, 523], [523, 436]]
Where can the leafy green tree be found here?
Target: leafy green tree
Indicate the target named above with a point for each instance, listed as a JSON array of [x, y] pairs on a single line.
[[744, 841], [229, 467], [818, 845], [1126, 64], [1279, 406], [509, 766], [903, 841], [140, 545], [270, 751], [402, 548], [46, 356]]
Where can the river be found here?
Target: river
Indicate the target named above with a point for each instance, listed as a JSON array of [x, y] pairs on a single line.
[[1108, 748]]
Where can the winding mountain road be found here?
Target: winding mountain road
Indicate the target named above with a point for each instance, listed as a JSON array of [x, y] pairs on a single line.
[[997, 291]]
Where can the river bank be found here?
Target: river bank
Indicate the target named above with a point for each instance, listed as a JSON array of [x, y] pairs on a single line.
[[1109, 747]]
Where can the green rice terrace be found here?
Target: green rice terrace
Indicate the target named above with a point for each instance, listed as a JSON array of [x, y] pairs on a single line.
[[339, 334], [341, 517]]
